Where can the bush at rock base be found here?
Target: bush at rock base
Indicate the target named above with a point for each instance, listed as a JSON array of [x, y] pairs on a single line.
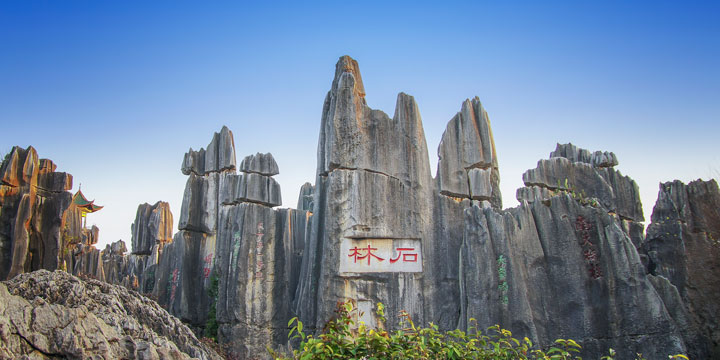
[[344, 338]]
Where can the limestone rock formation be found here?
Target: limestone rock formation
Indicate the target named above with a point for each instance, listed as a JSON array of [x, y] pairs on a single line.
[[33, 206], [219, 156], [682, 246], [153, 225], [587, 175], [559, 270], [47, 315], [305, 199], [373, 186], [468, 166], [571, 261], [263, 164]]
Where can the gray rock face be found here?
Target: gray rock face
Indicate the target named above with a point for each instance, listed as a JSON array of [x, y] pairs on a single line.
[[585, 178], [682, 246], [373, 185], [263, 164], [56, 315], [194, 162], [562, 270], [468, 166], [250, 187], [305, 199], [153, 225], [200, 202], [219, 156], [183, 276]]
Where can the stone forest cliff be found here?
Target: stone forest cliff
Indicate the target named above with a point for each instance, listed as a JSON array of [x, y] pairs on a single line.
[[573, 260]]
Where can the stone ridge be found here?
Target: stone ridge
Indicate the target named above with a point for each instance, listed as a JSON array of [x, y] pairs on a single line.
[[586, 175]]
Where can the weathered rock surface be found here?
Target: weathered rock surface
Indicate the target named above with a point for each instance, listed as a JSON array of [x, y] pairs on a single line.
[[373, 182], [200, 204], [250, 187], [563, 270], [219, 156], [33, 208], [305, 199], [56, 315], [183, 276], [468, 166], [153, 225], [586, 176], [682, 245], [263, 164]]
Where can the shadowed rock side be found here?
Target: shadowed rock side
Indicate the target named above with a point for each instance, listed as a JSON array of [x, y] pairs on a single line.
[[47, 315], [684, 253]]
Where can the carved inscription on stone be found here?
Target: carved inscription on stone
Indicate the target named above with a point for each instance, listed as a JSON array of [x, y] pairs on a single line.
[[380, 255]]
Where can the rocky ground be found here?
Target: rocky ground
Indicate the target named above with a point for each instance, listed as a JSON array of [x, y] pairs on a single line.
[[46, 315]]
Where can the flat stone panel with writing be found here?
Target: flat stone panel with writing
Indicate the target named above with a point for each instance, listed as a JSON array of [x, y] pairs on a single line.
[[380, 255]]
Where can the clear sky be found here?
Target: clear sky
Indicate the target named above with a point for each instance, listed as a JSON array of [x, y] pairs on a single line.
[[116, 92]]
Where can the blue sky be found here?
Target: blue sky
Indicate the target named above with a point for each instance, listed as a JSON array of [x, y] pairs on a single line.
[[116, 92]]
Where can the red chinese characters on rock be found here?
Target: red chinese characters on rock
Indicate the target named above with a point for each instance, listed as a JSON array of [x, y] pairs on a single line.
[[407, 254], [355, 254], [207, 268]]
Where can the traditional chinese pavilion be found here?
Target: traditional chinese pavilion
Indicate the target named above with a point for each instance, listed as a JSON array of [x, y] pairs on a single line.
[[86, 206]]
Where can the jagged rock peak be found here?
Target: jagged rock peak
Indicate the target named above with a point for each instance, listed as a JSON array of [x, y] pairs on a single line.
[[219, 156], [153, 225], [355, 136], [586, 176], [348, 65], [468, 165], [263, 164], [19, 166], [576, 154]]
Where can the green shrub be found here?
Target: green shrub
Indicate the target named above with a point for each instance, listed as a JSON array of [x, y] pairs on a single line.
[[341, 339]]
